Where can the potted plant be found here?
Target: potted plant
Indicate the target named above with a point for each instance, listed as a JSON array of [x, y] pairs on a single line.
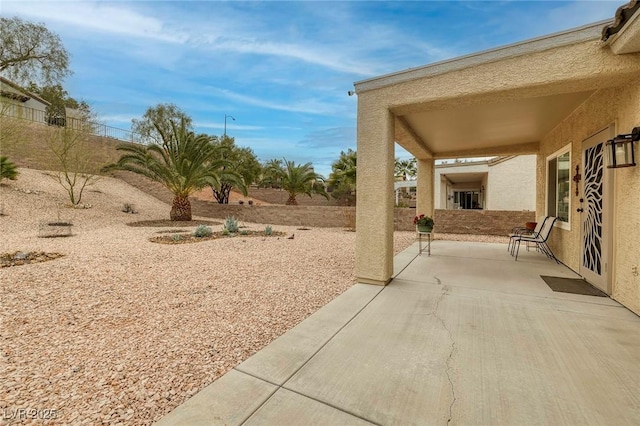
[[424, 223]]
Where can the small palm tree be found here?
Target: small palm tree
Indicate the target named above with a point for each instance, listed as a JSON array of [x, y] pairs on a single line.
[[7, 169], [343, 177], [405, 169], [183, 163], [271, 172], [300, 179]]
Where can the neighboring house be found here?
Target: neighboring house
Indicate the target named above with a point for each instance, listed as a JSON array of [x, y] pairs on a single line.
[[501, 183], [20, 103], [560, 97]]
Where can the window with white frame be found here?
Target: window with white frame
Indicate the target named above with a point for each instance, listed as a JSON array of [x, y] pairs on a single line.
[[559, 186]]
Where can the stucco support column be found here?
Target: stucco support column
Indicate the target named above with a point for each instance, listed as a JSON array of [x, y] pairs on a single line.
[[375, 194], [425, 189]]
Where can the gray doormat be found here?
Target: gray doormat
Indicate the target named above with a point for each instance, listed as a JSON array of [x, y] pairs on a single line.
[[572, 285]]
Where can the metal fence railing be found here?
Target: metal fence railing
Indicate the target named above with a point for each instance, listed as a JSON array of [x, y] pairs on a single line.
[[98, 129]]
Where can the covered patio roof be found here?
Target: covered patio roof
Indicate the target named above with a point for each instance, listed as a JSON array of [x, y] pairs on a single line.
[[491, 109], [504, 101]]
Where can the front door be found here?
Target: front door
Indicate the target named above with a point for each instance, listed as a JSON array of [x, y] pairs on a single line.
[[595, 211]]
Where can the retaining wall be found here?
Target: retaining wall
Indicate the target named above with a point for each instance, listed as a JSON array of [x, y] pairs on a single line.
[[31, 148]]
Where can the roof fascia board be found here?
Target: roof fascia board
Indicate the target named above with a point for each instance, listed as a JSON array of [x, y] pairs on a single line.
[[577, 35]]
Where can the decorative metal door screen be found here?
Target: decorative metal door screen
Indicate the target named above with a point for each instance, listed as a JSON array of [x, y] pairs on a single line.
[[592, 223]]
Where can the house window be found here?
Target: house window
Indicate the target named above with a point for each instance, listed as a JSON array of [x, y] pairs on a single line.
[[558, 186]]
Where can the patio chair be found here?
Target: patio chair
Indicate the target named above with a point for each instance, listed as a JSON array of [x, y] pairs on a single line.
[[522, 232], [539, 240]]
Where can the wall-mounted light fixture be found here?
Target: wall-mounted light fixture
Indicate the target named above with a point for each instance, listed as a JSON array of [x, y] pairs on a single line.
[[620, 150], [576, 178]]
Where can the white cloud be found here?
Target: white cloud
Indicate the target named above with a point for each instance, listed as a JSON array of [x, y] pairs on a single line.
[[308, 106], [112, 18]]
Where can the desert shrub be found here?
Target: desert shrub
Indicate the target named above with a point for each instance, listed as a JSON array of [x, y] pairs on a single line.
[[7, 169], [268, 230], [225, 232], [202, 231], [244, 232], [129, 208], [176, 237], [231, 224]]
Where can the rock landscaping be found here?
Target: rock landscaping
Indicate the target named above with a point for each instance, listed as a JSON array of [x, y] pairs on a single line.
[[21, 258], [120, 330]]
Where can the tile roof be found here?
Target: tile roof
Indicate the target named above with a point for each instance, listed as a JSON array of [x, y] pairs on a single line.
[[623, 14]]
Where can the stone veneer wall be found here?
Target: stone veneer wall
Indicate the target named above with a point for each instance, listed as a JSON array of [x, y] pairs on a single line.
[[480, 222], [475, 222], [311, 216]]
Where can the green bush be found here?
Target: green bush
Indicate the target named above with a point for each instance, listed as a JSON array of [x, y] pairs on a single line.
[[176, 237], [268, 230], [7, 169], [231, 224], [202, 231]]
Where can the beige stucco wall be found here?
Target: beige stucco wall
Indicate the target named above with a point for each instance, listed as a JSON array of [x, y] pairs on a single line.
[[424, 192], [511, 184], [375, 202], [621, 106]]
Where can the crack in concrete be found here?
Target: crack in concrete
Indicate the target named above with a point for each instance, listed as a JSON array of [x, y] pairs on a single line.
[[445, 291]]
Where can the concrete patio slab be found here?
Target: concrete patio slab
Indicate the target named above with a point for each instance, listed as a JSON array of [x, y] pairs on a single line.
[[283, 357], [486, 266], [288, 408], [230, 400], [377, 380], [466, 336]]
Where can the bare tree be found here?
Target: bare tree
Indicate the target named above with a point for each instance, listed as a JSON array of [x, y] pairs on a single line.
[[30, 52], [70, 147]]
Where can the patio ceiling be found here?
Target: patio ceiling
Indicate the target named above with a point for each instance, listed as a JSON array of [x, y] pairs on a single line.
[[465, 177], [491, 128]]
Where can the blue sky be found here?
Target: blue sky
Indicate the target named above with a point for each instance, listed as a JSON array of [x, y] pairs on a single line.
[[281, 69]]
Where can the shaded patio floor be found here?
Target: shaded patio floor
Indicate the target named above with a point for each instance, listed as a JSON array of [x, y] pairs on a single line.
[[465, 336]]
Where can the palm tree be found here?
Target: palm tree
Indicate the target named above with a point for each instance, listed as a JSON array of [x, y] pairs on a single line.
[[271, 172], [299, 179], [405, 169], [343, 177], [183, 163]]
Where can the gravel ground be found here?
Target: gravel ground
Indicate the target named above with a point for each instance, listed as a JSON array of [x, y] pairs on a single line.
[[122, 330]]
